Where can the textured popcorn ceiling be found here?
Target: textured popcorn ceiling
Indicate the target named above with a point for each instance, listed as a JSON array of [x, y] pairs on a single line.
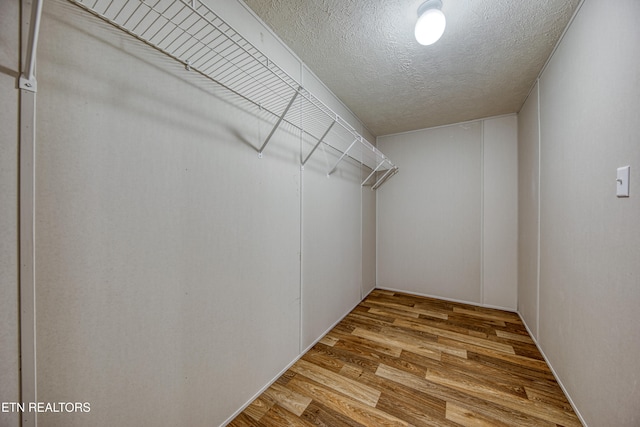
[[364, 51]]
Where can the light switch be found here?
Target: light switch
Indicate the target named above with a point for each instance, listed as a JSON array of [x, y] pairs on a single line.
[[622, 182]]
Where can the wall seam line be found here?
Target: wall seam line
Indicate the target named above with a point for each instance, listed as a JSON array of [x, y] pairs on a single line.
[[482, 212], [375, 267], [301, 211], [539, 213], [361, 237], [27, 316]]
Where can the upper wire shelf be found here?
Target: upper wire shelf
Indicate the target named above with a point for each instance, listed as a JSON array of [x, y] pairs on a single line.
[[191, 33]]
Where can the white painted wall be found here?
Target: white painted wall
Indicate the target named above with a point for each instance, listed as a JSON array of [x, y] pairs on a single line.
[[589, 99], [338, 267], [368, 227], [332, 260], [368, 237], [332, 254], [528, 211], [447, 222], [500, 212], [429, 214], [168, 255], [9, 328]]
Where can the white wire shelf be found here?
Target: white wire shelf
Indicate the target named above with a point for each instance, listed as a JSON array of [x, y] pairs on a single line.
[[191, 33]]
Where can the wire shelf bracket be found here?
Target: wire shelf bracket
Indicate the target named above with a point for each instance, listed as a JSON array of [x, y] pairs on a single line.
[[318, 143], [286, 110], [344, 154], [372, 172], [192, 34]]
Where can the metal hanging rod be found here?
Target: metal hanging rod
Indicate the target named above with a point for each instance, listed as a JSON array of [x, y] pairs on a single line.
[[372, 173], [190, 32], [385, 177]]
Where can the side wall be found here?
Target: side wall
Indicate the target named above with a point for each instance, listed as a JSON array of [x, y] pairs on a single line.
[[168, 255], [589, 288], [334, 265], [528, 211], [447, 225]]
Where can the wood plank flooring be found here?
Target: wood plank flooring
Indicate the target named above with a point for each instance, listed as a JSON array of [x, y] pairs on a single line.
[[402, 360]]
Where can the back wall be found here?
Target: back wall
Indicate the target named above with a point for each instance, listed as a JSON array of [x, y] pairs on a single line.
[[447, 223]]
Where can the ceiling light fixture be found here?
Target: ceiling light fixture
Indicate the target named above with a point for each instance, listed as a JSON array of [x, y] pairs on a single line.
[[431, 22]]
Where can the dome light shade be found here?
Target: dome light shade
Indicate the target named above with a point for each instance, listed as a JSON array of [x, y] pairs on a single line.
[[431, 22]]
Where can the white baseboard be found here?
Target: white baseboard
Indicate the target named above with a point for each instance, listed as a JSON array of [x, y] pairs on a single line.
[[418, 294], [575, 409], [302, 353], [553, 371]]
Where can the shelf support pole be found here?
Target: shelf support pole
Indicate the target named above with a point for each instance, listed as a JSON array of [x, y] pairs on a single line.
[[27, 80], [372, 172], [384, 177], [27, 204], [319, 142], [280, 119], [333, 169]]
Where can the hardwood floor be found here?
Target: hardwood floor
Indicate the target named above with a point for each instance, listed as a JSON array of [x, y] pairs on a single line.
[[402, 360]]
